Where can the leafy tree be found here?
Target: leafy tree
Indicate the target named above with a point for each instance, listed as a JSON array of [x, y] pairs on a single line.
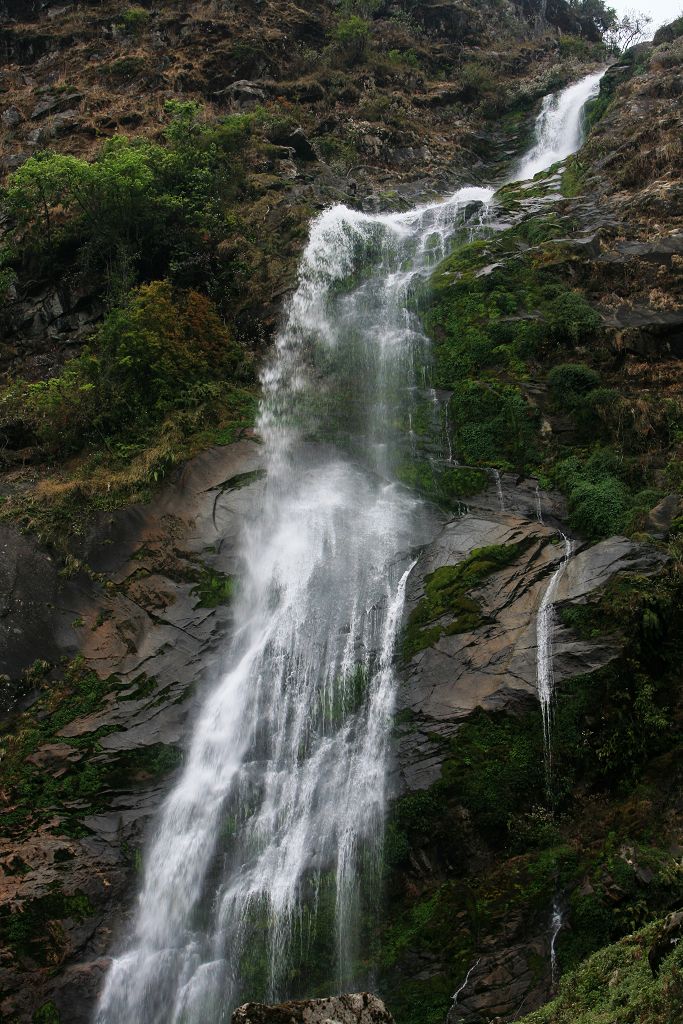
[[629, 30], [137, 197], [594, 13], [150, 356]]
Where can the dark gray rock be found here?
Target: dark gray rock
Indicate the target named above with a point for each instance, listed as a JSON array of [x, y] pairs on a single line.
[[242, 95], [139, 621], [12, 117], [660, 519], [359, 1008], [494, 666], [53, 103]]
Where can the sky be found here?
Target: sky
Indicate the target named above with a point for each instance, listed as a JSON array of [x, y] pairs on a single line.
[[659, 10]]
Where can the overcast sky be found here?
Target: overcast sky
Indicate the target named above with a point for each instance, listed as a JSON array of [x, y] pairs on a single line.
[[659, 10]]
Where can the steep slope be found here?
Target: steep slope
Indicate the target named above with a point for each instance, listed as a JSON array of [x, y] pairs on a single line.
[[144, 594], [557, 349]]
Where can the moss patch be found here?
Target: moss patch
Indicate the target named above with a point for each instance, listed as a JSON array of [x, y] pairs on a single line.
[[446, 607]]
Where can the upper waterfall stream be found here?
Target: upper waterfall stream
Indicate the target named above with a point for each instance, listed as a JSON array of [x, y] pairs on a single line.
[[275, 826]]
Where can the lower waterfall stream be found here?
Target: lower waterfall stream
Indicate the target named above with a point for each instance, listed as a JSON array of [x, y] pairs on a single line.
[[278, 814]]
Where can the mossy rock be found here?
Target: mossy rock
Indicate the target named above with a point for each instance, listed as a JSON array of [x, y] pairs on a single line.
[[446, 608]]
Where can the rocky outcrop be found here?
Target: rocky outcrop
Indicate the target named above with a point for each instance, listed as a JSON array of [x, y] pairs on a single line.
[[141, 610], [494, 666], [485, 660], [359, 1008]]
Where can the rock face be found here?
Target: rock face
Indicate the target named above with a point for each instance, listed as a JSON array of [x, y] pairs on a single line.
[[494, 667], [139, 617], [359, 1008]]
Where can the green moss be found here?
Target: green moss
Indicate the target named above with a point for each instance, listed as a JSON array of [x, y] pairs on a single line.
[[27, 931], [446, 597], [213, 589], [47, 1014], [446, 486]]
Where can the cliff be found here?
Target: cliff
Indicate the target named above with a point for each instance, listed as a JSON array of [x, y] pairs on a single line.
[[119, 543]]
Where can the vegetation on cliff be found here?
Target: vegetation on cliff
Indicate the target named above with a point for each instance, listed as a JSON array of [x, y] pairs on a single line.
[[181, 234]]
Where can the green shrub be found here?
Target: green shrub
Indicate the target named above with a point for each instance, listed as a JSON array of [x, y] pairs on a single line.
[[134, 19], [47, 1014], [571, 319], [404, 57], [569, 381], [352, 37], [492, 424], [476, 83], [599, 501], [136, 206], [148, 357]]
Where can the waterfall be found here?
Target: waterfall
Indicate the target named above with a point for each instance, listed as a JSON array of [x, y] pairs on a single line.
[[539, 505], [276, 821], [466, 982], [559, 127], [545, 626], [499, 489], [283, 787], [556, 925]]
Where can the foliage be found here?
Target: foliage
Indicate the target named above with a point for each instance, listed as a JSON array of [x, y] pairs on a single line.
[[47, 1014], [134, 19], [27, 933], [492, 424], [568, 382], [599, 500], [446, 486], [352, 38], [213, 589], [617, 985], [161, 351], [571, 319], [138, 207], [595, 15]]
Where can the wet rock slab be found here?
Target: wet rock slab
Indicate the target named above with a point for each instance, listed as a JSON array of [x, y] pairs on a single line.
[[135, 615], [494, 666]]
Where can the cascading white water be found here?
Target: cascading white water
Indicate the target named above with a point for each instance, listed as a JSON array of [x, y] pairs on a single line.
[[499, 489], [277, 817], [559, 127], [545, 676], [288, 754]]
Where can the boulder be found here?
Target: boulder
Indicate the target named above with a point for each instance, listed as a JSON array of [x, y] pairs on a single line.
[[242, 94], [12, 117], [359, 1008], [667, 939]]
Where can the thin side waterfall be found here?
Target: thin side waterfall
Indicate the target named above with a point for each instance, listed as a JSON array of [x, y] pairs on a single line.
[[466, 982], [539, 505], [271, 841], [545, 676], [556, 925], [499, 489]]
